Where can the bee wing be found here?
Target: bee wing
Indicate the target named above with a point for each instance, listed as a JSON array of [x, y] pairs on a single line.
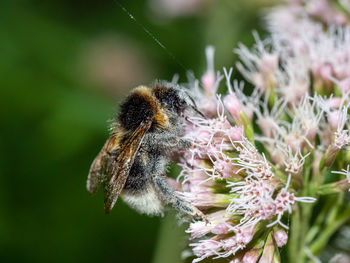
[[98, 169], [119, 169]]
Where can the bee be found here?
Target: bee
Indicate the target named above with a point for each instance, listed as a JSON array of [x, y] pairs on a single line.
[[134, 160]]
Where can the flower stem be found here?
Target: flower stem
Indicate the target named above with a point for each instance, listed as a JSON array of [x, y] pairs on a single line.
[[317, 246], [333, 188], [293, 244], [317, 225], [170, 241]]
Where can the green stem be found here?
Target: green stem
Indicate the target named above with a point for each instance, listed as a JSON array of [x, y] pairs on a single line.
[[293, 244], [315, 229], [306, 211], [171, 241], [317, 246], [334, 210], [334, 188]]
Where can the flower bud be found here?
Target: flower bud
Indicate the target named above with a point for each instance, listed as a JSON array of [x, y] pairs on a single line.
[[225, 168], [208, 81], [326, 71], [267, 126], [280, 237], [206, 247], [235, 133], [199, 228], [333, 118], [334, 103], [268, 63], [220, 229], [329, 156], [208, 106], [252, 256], [233, 105], [344, 85]]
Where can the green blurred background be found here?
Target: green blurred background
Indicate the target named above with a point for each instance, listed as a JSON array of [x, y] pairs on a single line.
[[64, 65]]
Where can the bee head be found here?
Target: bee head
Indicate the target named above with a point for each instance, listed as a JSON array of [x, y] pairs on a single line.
[[174, 98]]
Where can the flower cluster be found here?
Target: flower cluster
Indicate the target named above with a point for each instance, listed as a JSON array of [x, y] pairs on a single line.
[[260, 162]]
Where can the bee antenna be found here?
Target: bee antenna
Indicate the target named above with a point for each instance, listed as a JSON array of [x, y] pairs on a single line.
[[197, 111]]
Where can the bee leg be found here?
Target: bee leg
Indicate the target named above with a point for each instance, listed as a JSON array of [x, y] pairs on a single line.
[[178, 142], [170, 197], [184, 143], [170, 140]]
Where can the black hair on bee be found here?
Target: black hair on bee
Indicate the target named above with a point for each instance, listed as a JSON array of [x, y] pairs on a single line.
[[133, 162]]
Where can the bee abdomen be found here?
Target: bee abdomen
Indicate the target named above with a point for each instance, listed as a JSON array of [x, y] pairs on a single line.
[[145, 202]]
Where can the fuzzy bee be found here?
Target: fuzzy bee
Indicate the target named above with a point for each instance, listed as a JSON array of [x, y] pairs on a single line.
[[134, 159]]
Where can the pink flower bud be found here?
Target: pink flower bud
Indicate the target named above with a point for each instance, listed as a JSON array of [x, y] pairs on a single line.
[[251, 256], [333, 118], [334, 103], [206, 248], [244, 235], [340, 19], [294, 142], [267, 210], [249, 112], [197, 187], [229, 243], [220, 229], [310, 132], [220, 124], [326, 71], [209, 79], [233, 105], [224, 167], [235, 133], [318, 9], [208, 82], [342, 71], [268, 63], [323, 71], [344, 85], [199, 228], [267, 126], [300, 46], [204, 136], [208, 106], [280, 237]]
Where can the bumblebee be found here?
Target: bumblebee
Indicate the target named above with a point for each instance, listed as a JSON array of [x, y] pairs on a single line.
[[133, 161]]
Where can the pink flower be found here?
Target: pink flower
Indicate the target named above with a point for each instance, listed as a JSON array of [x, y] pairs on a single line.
[[251, 256], [209, 78], [344, 85], [280, 237], [233, 105], [205, 248], [333, 118]]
